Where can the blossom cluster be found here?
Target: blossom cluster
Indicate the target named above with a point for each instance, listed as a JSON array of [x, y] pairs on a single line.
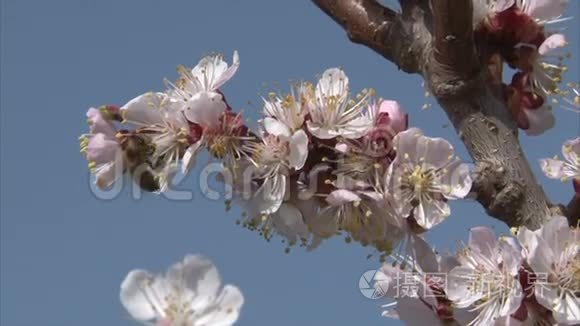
[[514, 32], [323, 161], [530, 279]]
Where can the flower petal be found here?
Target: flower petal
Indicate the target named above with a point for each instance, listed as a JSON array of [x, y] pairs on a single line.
[[228, 73], [431, 212], [188, 160], [199, 275], [205, 108], [355, 128], [298, 149], [98, 124], [275, 127], [102, 149], [134, 298], [289, 223], [320, 132], [108, 173], [482, 239], [333, 83], [341, 197], [144, 110], [458, 179], [459, 286], [405, 144], [553, 42], [397, 117], [435, 152], [540, 120]]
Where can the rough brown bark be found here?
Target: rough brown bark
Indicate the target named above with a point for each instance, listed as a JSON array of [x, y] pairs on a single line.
[[435, 39]]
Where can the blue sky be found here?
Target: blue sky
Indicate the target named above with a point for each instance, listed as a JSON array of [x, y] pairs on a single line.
[[64, 252]]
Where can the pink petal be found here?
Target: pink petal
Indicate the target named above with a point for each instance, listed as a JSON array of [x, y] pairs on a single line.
[[397, 117]]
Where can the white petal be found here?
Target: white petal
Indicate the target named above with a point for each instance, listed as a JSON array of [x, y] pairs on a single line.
[[341, 197], [436, 152], [272, 194], [458, 179], [208, 71], [541, 257], [405, 143], [144, 110], [228, 73], [289, 223], [569, 312], [188, 160], [554, 41], [510, 251], [320, 132], [102, 149], [556, 233], [513, 302], [298, 149], [197, 274], [108, 174], [424, 255], [541, 120], [431, 212], [482, 239], [334, 83], [227, 311], [134, 298], [275, 127], [355, 128], [459, 282], [205, 108]]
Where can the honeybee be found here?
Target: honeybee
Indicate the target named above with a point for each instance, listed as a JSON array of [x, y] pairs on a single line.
[[137, 149]]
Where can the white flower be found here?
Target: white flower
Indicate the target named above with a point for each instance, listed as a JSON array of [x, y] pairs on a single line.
[[102, 149], [274, 156], [566, 169], [419, 291], [334, 113], [487, 279], [553, 253], [424, 174], [198, 89], [159, 117], [290, 110], [358, 212], [189, 294]]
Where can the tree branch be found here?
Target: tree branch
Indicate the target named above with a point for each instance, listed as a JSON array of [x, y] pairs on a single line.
[[440, 46], [369, 23]]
